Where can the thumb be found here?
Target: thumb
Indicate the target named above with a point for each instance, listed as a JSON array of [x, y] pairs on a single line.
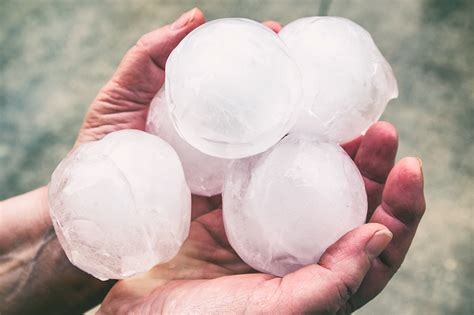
[[328, 285], [123, 102], [141, 71]]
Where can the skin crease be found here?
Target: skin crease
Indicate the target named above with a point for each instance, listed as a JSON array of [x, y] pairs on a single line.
[[207, 276]]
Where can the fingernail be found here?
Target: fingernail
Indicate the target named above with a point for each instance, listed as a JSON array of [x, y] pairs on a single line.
[[378, 243], [421, 166], [184, 20], [420, 162]]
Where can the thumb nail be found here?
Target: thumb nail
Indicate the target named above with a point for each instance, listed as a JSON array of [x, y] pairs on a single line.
[[183, 20], [420, 162], [421, 165], [377, 244]]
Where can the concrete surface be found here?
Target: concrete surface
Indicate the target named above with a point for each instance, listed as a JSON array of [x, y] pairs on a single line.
[[55, 55]]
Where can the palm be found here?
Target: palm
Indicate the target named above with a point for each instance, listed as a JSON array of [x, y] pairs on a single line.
[[208, 272]]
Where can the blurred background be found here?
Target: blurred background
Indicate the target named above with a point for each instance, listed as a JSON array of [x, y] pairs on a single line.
[[55, 55]]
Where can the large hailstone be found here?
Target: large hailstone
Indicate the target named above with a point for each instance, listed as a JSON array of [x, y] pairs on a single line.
[[347, 83], [285, 207], [204, 174], [120, 205], [232, 89]]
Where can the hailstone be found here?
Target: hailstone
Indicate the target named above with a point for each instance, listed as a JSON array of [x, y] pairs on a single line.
[[120, 205], [282, 209], [232, 88], [347, 83], [204, 174]]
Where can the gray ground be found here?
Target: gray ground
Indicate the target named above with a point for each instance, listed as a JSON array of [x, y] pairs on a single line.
[[55, 55]]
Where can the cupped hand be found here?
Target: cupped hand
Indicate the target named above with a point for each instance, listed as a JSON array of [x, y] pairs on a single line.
[[207, 276]]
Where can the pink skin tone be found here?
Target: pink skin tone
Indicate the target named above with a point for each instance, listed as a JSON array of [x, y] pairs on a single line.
[[207, 276]]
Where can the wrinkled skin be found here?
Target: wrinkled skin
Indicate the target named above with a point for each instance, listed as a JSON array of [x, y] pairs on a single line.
[[207, 276]]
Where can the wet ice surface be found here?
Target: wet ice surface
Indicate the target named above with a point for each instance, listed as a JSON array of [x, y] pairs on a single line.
[[232, 89], [120, 205], [283, 208], [346, 81], [204, 174]]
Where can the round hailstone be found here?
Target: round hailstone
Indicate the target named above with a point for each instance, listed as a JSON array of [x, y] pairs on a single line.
[[285, 207], [204, 174], [346, 81], [232, 89], [120, 205]]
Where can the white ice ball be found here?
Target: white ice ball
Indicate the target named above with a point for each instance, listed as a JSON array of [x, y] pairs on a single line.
[[347, 83], [204, 174], [120, 205], [232, 88], [285, 207]]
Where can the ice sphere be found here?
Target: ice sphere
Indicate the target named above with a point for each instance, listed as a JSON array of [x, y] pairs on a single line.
[[347, 83], [285, 207], [232, 88], [120, 205], [204, 174]]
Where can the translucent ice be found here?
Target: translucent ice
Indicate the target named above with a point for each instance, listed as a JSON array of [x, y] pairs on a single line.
[[120, 205], [283, 208], [232, 89], [346, 81], [204, 174]]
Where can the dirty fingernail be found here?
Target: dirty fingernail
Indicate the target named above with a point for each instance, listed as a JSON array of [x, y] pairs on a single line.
[[378, 243], [184, 20]]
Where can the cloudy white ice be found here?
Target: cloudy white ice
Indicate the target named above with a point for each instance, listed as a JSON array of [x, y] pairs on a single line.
[[283, 208], [204, 174], [232, 88], [120, 205], [347, 83]]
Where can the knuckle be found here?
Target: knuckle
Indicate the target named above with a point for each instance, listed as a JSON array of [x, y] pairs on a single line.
[[345, 287]]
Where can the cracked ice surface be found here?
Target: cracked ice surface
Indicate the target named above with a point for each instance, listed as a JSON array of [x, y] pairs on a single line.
[[283, 208], [120, 205], [232, 88], [204, 174], [347, 83]]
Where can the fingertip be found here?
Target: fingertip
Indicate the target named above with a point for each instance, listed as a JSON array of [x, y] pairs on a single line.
[[273, 25], [382, 136], [409, 170], [199, 17], [384, 127], [403, 195], [378, 243], [351, 244], [160, 42], [187, 19], [377, 151]]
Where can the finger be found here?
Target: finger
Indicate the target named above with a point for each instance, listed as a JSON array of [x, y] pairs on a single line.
[[141, 71], [214, 225], [352, 146], [216, 201], [375, 158], [340, 271], [123, 102], [200, 206], [161, 42], [401, 210], [275, 26]]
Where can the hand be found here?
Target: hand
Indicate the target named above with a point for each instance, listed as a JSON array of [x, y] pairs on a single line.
[[35, 274], [207, 276]]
